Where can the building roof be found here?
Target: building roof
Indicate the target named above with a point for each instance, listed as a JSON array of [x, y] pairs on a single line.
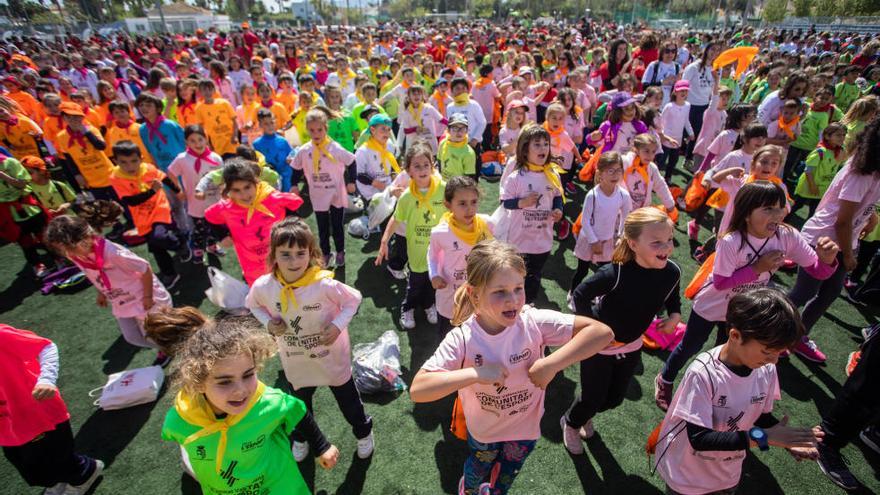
[[181, 9]]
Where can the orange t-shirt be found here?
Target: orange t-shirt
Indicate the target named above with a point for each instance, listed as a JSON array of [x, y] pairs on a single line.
[[282, 116], [94, 117], [154, 210], [91, 162], [115, 134], [186, 115], [218, 119], [29, 105], [52, 125], [289, 99], [21, 137]]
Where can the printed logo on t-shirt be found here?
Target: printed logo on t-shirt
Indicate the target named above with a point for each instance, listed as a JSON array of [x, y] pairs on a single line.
[[201, 452], [521, 356], [227, 474], [253, 444], [758, 399], [733, 421], [312, 307]]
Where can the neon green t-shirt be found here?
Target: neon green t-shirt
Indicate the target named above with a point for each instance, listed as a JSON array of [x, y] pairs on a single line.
[[812, 126], [457, 161], [53, 194], [419, 220], [845, 94], [341, 130], [822, 164], [257, 458], [8, 193]]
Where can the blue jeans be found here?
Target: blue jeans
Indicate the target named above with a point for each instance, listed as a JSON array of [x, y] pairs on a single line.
[[495, 463]]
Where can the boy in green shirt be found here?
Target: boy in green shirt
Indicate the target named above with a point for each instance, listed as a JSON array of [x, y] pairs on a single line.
[[55, 196], [847, 91], [822, 165], [21, 219], [822, 112], [454, 153], [420, 208]]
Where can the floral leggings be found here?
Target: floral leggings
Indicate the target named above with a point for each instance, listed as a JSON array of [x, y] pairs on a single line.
[[494, 463]]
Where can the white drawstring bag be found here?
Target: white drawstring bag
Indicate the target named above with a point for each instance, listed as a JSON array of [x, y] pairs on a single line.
[[501, 220], [381, 207], [130, 388], [226, 291]]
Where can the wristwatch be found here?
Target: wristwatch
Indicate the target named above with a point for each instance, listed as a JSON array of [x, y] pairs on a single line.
[[759, 436]]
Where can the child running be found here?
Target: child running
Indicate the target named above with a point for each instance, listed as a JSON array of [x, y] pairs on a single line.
[[35, 430], [122, 278], [249, 210], [640, 271], [419, 208], [724, 404], [755, 246], [308, 313], [451, 240], [641, 177], [233, 430], [191, 166], [605, 209], [533, 195], [495, 360], [330, 172], [822, 165]]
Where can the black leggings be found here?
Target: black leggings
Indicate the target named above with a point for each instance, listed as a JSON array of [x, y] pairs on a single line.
[[857, 404], [30, 237], [419, 291], [397, 253], [349, 401], [696, 118], [604, 380], [668, 160], [534, 266], [160, 240], [51, 459], [695, 335], [331, 221]]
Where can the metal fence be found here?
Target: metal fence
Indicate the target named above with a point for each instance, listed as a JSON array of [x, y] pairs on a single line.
[[862, 25]]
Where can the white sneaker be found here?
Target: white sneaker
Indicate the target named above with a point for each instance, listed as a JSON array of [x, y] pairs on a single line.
[[300, 451], [55, 490], [83, 488], [431, 315], [398, 274], [365, 446], [570, 301], [571, 438], [408, 320]]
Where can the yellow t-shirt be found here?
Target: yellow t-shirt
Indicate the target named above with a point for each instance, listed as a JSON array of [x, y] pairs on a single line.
[[91, 162], [115, 134], [21, 137], [218, 120]]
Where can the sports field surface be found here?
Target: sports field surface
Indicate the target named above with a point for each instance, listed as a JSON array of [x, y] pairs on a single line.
[[415, 453]]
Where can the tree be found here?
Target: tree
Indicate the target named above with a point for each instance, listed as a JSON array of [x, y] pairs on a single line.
[[774, 10], [802, 8]]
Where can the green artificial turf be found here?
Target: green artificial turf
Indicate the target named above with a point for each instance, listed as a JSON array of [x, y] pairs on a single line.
[[414, 454]]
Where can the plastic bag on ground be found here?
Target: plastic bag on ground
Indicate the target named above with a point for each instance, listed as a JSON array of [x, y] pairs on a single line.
[[376, 365], [226, 291], [381, 207]]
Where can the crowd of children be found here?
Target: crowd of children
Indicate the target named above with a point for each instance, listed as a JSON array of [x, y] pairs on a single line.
[[193, 145]]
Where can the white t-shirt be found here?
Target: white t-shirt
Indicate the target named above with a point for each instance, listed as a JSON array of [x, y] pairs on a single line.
[[701, 83], [512, 411], [657, 71], [711, 396], [602, 220], [675, 119], [847, 186]]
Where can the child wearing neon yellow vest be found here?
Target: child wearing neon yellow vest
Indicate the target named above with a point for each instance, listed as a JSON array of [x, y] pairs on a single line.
[[454, 153], [420, 208], [234, 431]]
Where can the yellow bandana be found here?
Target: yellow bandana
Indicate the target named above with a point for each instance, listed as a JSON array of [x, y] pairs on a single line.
[[443, 152], [461, 99], [479, 231], [197, 411], [387, 157], [320, 148], [312, 275], [263, 192], [416, 113], [142, 186], [551, 171], [423, 199]]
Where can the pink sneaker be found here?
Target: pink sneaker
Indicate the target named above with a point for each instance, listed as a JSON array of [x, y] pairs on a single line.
[[693, 230], [808, 350]]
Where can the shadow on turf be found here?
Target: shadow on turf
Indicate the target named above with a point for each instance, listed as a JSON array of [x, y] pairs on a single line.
[[614, 479], [107, 433], [22, 286], [119, 355]]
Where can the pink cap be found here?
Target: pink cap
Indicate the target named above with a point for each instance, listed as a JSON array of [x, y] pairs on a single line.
[[515, 104], [681, 84]]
